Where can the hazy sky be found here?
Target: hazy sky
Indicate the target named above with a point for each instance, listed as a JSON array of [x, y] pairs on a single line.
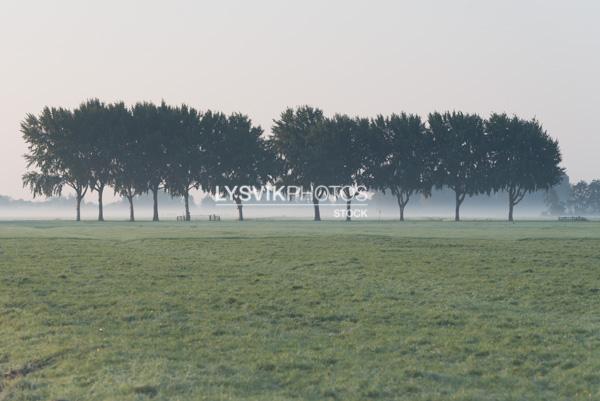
[[532, 58]]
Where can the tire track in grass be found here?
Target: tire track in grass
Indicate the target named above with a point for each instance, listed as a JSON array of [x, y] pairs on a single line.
[[12, 377]]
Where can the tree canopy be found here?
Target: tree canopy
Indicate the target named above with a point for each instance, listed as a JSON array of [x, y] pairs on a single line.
[[524, 157], [460, 148], [148, 148], [401, 161]]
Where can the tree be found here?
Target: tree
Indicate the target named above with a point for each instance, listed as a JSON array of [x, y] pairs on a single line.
[[127, 175], [341, 142], [594, 196], [585, 198], [402, 155], [460, 148], [152, 124], [55, 156], [555, 205], [240, 157], [297, 142], [579, 197], [100, 126], [187, 153], [525, 159]]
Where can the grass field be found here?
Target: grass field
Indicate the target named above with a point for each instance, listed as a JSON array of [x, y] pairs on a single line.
[[300, 310]]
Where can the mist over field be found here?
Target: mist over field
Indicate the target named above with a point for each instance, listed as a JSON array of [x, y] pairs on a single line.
[[379, 206]]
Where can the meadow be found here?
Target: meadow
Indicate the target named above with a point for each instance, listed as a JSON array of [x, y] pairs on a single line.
[[276, 310]]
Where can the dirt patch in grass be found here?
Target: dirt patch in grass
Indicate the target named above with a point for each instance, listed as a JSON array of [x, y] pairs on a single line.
[[31, 367]]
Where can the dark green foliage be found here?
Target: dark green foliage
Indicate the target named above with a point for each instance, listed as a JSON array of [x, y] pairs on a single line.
[[186, 153], [401, 158], [127, 177], [343, 140], [461, 152], [100, 127], [153, 125], [150, 148], [239, 155], [298, 141], [585, 198], [57, 155], [524, 157]]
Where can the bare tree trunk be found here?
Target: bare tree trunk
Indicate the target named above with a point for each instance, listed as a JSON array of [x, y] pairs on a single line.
[[348, 204], [78, 217], [511, 204], [459, 200], [316, 207], [516, 195], [348, 210], [186, 197], [131, 214], [100, 204], [155, 199], [238, 202], [402, 203]]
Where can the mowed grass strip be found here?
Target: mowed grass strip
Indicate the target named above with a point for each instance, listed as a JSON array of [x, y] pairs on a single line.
[[280, 310]]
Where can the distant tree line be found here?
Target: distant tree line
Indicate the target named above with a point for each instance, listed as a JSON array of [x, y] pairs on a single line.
[[149, 148], [583, 199]]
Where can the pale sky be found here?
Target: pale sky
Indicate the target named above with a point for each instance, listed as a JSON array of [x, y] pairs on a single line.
[[528, 57]]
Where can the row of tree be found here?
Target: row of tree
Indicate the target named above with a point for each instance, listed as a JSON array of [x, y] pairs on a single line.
[[583, 199], [148, 148], [142, 149]]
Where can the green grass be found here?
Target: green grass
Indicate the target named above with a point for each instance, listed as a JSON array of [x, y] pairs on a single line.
[[300, 310]]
